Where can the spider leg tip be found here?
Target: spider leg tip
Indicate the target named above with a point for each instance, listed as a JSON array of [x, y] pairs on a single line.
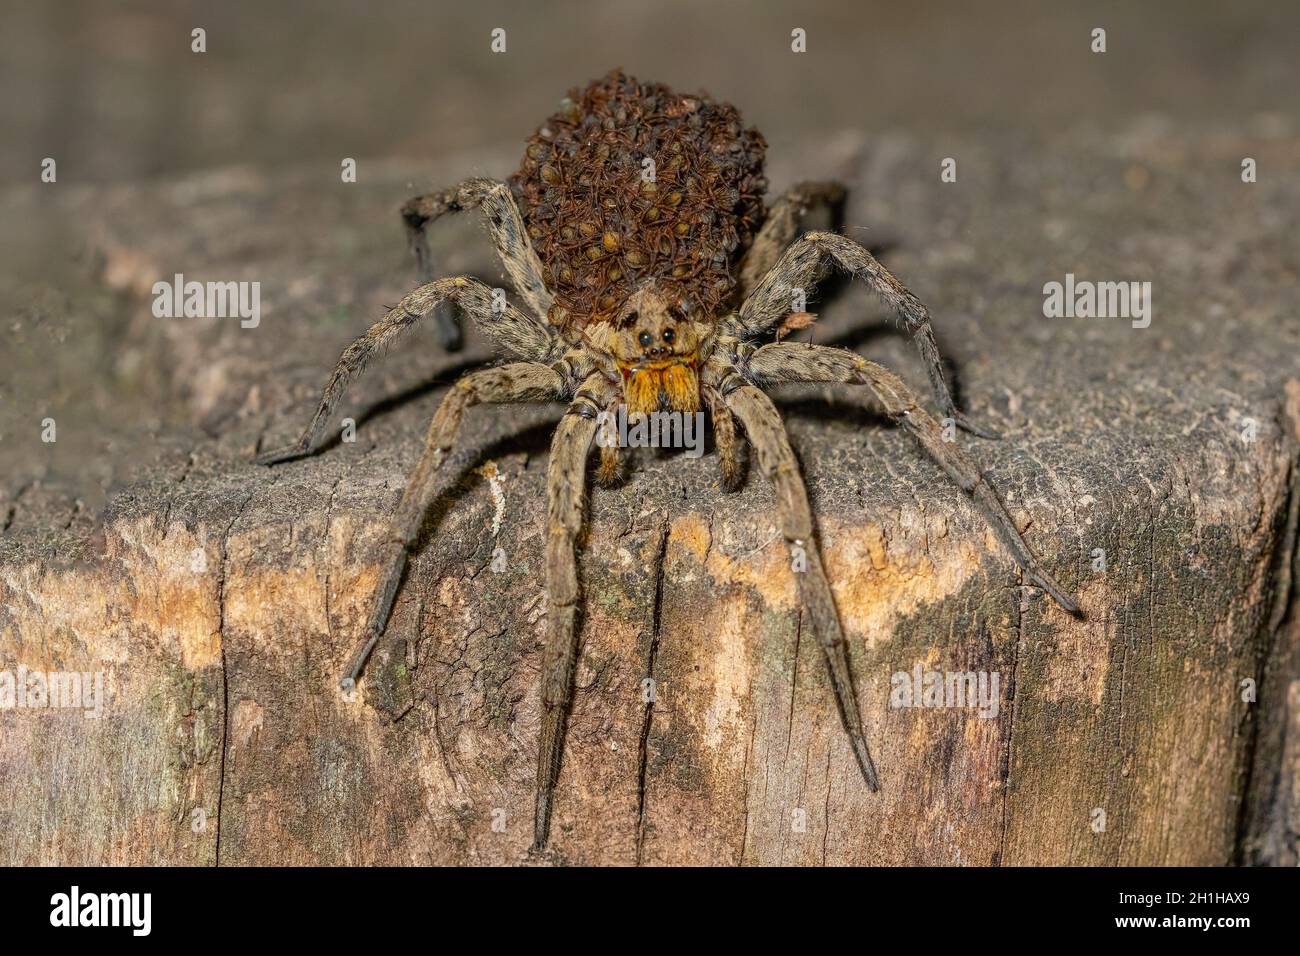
[[541, 823], [866, 765], [979, 431], [1045, 583], [1068, 604]]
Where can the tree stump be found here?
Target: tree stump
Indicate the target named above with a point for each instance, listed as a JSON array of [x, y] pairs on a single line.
[[1153, 470]]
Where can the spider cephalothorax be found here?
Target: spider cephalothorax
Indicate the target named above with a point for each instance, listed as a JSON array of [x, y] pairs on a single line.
[[630, 304], [656, 346]]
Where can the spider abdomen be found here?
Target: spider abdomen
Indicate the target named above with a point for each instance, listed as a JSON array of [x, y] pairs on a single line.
[[630, 182]]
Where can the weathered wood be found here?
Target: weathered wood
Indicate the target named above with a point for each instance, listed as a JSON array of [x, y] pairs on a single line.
[[221, 600]]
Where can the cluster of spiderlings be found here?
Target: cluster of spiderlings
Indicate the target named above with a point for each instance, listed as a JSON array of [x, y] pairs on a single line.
[[602, 227]]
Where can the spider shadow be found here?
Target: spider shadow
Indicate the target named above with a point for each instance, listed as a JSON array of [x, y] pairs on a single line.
[[412, 393], [834, 289], [533, 440], [837, 410]]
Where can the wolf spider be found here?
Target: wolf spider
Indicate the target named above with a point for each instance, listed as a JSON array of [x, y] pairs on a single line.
[[655, 354]]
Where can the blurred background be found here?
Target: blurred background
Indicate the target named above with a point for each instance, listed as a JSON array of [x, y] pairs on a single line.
[[172, 160], [114, 88]]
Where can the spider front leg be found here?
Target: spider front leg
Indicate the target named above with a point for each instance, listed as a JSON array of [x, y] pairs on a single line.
[[517, 382], [505, 227], [565, 493], [789, 362], [806, 262], [730, 446], [514, 331], [611, 470], [776, 458]]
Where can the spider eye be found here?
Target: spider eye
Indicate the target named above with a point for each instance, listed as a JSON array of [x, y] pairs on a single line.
[[669, 335], [645, 338]]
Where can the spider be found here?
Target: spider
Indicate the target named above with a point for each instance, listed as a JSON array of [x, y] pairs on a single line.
[[649, 292]]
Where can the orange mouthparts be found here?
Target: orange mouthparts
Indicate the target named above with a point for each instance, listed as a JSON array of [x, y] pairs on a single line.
[[652, 386]]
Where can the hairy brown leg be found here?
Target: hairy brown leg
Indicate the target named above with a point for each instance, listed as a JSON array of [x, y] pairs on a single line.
[[565, 491], [789, 362], [611, 469], [505, 226], [517, 382], [776, 458], [784, 222], [514, 331], [805, 263], [610, 472], [730, 444]]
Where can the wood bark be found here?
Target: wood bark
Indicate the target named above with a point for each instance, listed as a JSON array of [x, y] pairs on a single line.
[[221, 600]]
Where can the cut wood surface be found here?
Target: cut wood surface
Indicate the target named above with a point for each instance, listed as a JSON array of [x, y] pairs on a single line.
[[1154, 470]]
